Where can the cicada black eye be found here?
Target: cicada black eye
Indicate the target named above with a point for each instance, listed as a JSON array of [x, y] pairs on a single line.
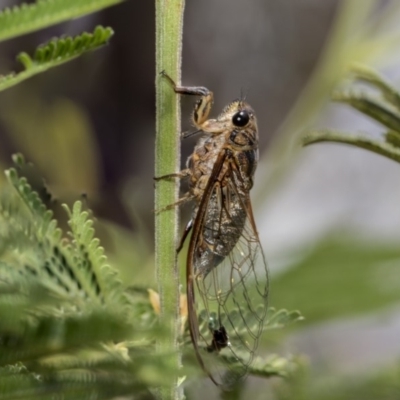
[[241, 118]]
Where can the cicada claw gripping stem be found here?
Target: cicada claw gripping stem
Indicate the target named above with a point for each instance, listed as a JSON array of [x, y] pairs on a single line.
[[199, 117], [203, 105]]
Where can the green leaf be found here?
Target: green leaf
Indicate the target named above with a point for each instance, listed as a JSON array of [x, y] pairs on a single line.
[[42, 217], [274, 365], [393, 138], [281, 318], [383, 107], [373, 106], [33, 246], [55, 53], [27, 18], [386, 149], [369, 75], [98, 277]]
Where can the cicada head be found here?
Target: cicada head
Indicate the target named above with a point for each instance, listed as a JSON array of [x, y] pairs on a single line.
[[239, 114]]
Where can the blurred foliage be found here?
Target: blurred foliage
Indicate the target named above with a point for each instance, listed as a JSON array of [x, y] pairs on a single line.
[[384, 385], [365, 32], [360, 264], [65, 119], [383, 106], [26, 18], [340, 276], [63, 309], [66, 130]]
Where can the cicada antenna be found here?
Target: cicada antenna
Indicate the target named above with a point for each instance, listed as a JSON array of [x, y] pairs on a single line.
[[243, 93]]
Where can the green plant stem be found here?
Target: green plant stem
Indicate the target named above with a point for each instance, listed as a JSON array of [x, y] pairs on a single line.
[[169, 22]]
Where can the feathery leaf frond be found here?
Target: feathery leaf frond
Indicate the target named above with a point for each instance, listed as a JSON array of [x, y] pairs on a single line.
[[381, 103], [66, 323], [55, 53], [26, 18]]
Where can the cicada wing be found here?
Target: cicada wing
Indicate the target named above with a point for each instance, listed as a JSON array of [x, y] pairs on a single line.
[[227, 279]]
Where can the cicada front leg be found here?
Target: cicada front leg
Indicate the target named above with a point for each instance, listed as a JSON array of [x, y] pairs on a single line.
[[200, 120], [200, 114], [202, 107]]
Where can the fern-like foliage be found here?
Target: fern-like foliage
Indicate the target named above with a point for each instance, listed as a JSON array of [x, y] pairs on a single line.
[[278, 319], [66, 323], [73, 268], [55, 53], [382, 104], [27, 18]]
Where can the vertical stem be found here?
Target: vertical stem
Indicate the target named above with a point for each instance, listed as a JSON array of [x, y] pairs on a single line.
[[169, 22]]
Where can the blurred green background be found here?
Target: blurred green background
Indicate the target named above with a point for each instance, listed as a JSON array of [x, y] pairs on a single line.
[[328, 215]]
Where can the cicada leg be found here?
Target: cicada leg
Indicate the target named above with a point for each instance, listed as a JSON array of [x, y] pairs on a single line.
[[203, 105], [184, 199], [182, 174], [188, 228]]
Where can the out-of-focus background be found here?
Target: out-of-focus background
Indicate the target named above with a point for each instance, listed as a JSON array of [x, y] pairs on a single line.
[[328, 215]]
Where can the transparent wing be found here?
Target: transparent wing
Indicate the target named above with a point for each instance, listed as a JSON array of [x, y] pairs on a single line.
[[227, 277]]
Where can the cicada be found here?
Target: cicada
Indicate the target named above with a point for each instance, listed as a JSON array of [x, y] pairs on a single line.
[[227, 276]]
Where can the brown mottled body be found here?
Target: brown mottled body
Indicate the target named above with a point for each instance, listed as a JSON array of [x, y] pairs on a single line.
[[238, 146], [224, 245]]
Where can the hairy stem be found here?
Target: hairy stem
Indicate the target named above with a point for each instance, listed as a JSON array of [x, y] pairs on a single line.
[[169, 22]]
